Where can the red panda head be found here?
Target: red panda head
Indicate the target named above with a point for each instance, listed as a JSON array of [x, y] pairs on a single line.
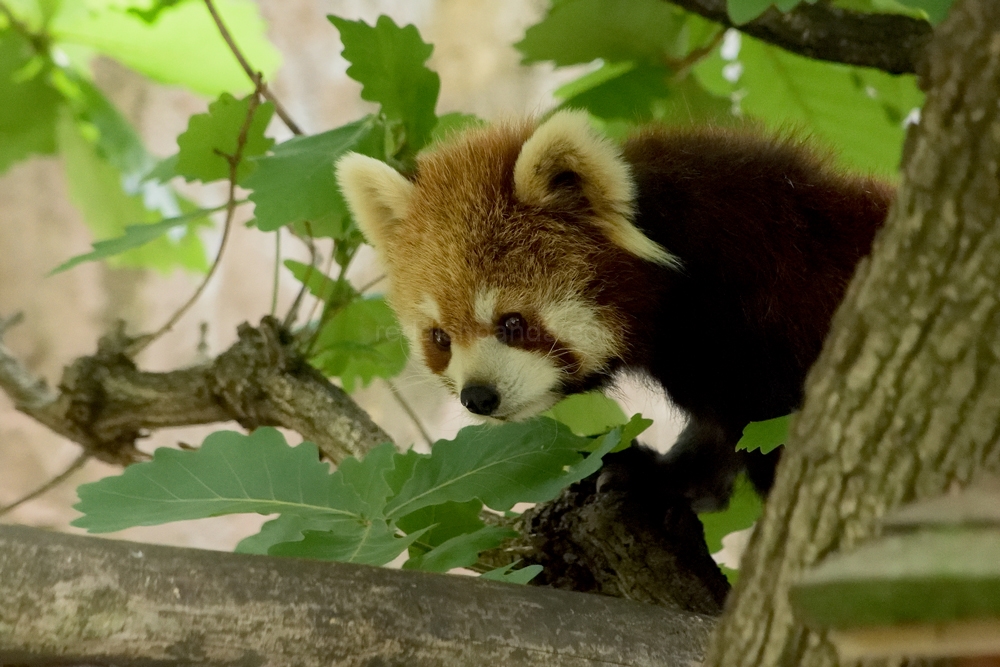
[[493, 251]]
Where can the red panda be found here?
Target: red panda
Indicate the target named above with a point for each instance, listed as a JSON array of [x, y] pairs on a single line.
[[527, 262]]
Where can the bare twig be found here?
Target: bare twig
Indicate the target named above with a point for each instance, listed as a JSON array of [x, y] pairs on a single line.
[[371, 283], [16, 380], [277, 272], [293, 311], [409, 412], [51, 484], [254, 75], [234, 160]]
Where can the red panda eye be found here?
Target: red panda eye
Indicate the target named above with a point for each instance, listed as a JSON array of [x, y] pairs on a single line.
[[441, 338], [512, 328]]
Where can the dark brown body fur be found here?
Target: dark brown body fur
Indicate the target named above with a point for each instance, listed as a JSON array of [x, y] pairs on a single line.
[[769, 235]]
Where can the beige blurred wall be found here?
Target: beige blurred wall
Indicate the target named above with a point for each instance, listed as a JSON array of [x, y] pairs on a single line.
[[65, 314]]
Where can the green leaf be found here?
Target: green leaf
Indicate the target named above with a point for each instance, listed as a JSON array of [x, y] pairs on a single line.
[[213, 137], [766, 436], [580, 31], [388, 61], [858, 112], [304, 166], [936, 10], [135, 236], [452, 123], [371, 543], [30, 104], [183, 47], [461, 550], [500, 465], [285, 528], [96, 188], [745, 507], [334, 293], [231, 473], [588, 414], [361, 342], [511, 576], [367, 477], [152, 13], [629, 95], [444, 521]]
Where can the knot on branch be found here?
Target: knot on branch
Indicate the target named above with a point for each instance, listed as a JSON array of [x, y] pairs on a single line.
[[241, 375], [618, 544]]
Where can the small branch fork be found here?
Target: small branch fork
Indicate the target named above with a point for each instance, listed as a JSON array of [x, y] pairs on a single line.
[[106, 404], [255, 76]]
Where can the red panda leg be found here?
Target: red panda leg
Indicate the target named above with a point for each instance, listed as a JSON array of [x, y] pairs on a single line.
[[701, 466]]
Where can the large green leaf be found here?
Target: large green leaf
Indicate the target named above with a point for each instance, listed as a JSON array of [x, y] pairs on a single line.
[[371, 543], [96, 188], [858, 112], [182, 47], [304, 166], [444, 521], [231, 473], [461, 550], [361, 341], [530, 461], [212, 138], [388, 61], [30, 104], [580, 31]]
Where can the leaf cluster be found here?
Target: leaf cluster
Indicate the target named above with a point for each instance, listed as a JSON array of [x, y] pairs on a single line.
[[368, 511]]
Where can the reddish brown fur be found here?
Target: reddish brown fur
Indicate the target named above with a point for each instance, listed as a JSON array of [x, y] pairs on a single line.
[[768, 233]]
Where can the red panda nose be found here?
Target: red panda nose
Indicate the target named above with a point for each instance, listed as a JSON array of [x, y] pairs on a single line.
[[480, 399]]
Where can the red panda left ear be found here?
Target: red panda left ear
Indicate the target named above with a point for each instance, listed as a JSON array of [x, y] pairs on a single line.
[[377, 195], [566, 160]]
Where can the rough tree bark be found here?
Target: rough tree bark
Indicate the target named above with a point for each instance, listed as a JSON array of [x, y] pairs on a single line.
[[905, 399], [890, 42], [105, 402], [82, 600]]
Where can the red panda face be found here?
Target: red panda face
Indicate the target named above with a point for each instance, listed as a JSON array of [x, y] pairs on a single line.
[[492, 253]]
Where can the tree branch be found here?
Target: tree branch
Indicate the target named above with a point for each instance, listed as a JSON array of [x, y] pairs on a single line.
[[106, 403], [892, 43], [73, 599]]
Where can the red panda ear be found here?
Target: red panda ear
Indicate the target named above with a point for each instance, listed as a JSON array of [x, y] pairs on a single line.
[[566, 161], [377, 195]]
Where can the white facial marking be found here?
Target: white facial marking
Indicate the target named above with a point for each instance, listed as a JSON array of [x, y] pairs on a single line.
[[485, 305], [527, 382], [429, 307], [576, 324]]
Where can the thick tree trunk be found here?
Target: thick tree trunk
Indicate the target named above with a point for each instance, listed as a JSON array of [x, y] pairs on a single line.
[[905, 399]]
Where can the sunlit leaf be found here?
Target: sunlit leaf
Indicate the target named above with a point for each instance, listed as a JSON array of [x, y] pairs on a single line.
[[304, 165], [183, 47], [388, 61], [212, 139], [361, 341]]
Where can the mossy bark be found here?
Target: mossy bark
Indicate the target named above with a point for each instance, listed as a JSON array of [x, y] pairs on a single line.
[[904, 401]]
